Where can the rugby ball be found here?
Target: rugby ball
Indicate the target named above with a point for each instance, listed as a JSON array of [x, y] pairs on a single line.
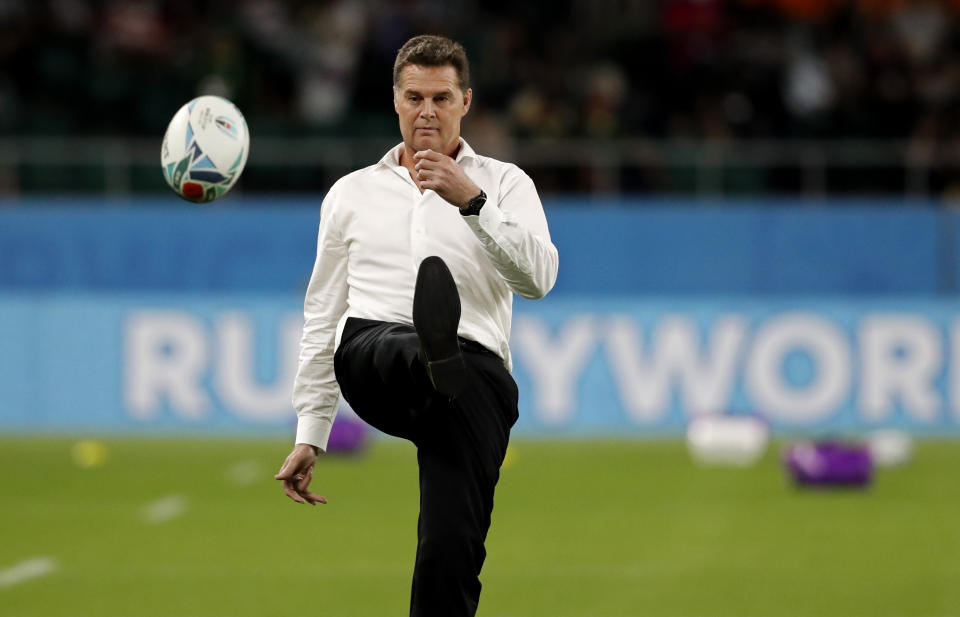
[[205, 149]]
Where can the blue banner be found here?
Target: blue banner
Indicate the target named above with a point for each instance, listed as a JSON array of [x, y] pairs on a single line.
[[611, 248], [817, 365], [224, 364]]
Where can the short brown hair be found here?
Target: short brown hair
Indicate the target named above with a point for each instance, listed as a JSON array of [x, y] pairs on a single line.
[[432, 50]]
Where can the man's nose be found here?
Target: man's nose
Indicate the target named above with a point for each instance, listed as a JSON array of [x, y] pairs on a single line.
[[427, 109]]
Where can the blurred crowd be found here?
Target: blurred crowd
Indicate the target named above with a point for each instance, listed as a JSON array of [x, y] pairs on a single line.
[[596, 68], [700, 69]]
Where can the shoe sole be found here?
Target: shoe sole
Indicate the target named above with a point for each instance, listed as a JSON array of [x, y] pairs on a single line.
[[436, 318]]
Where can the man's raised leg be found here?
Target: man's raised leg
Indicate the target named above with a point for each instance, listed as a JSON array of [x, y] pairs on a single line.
[[381, 376]]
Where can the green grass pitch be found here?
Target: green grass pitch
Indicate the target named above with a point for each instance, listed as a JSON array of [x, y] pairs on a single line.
[[191, 528]]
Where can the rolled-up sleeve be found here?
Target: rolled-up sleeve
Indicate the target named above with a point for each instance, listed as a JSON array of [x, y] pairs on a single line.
[[315, 390], [516, 238]]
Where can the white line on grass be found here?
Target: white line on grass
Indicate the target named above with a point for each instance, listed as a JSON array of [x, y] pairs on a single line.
[[164, 509], [26, 570], [245, 473]]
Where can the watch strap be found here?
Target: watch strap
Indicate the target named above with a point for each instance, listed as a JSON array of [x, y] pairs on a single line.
[[474, 205]]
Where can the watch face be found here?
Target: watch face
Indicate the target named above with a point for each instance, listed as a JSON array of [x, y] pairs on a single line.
[[475, 204]]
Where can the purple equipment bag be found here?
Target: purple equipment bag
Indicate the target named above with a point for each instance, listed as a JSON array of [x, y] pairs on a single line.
[[828, 464], [349, 435]]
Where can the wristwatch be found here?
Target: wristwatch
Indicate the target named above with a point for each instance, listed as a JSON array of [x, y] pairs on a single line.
[[474, 205]]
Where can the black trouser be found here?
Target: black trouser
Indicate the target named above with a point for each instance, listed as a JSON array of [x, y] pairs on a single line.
[[460, 447]]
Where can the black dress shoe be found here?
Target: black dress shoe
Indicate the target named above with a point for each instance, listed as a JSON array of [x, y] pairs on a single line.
[[436, 317]]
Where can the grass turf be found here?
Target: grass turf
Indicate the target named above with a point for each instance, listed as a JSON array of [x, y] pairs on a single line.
[[585, 529]]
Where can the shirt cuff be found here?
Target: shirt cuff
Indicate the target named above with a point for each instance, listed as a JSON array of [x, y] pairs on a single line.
[[489, 219], [314, 430]]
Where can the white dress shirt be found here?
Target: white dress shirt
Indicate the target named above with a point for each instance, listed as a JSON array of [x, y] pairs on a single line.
[[375, 229]]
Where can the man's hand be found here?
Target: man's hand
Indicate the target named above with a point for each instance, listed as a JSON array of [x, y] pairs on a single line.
[[442, 174], [296, 473]]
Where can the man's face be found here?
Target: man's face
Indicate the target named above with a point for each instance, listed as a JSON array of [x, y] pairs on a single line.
[[430, 105]]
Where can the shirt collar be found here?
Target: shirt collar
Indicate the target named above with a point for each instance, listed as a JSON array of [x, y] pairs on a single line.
[[392, 157]]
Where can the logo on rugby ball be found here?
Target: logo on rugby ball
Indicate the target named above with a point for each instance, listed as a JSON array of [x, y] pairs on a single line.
[[227, 125]]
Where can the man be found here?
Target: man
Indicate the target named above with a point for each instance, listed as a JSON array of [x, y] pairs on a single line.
[[408, 315]]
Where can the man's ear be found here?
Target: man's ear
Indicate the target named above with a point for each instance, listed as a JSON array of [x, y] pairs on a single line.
[[467, 99], [396, 107]]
